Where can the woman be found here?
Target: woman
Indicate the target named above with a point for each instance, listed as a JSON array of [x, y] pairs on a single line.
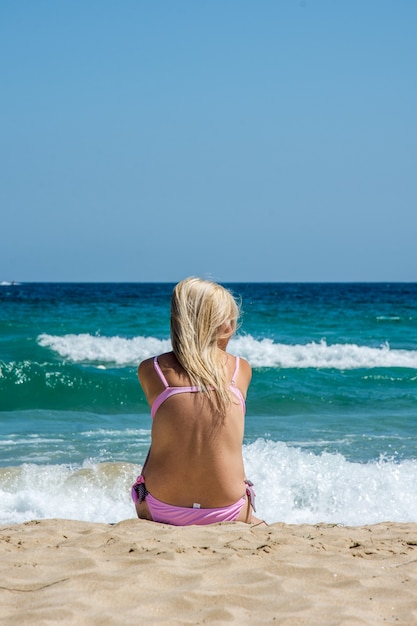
[[194, 470]]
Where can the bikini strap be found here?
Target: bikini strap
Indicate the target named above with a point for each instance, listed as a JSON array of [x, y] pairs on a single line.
[[159, 372], [236, 371], [250, 492]]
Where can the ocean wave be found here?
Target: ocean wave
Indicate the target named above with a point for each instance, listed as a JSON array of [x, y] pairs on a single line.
[[85, 348], [120, 351], [321, 355], [97, 492], [296, 486], [293, 486]]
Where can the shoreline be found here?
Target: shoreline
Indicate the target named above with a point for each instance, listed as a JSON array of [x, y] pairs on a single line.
[[137, 572]]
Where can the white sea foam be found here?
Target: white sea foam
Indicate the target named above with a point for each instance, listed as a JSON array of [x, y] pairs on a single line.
[[120, 351], [85, 348], [295, 486], [292, 486], [96, 492], [266, 353]]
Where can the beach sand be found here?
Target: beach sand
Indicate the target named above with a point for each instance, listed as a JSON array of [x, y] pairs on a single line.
[[137, 572]]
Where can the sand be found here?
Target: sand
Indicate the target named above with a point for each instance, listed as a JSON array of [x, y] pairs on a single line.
[[138, 572]]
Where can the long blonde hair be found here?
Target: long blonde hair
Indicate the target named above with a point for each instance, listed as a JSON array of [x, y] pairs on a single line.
[[202, 313]]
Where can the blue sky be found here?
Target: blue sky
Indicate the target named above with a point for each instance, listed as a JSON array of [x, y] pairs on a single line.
[[246, 141]]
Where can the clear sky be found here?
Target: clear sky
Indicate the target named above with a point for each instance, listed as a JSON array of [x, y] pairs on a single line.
[[261, 140]]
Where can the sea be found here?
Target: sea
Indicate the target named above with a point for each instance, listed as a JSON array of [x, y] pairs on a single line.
[[330, 432]]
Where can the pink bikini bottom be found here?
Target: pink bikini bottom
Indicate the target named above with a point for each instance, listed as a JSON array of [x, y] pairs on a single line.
[[186, 516]]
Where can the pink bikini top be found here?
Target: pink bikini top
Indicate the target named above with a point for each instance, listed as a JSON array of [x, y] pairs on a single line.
[[172, 391]]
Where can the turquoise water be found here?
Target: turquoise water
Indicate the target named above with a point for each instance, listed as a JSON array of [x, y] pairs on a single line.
[[331, 412]]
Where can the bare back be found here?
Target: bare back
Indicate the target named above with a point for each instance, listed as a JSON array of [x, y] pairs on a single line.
[[196, 456]]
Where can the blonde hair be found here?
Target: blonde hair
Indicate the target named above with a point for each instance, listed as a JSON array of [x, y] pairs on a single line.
[[202, 312]]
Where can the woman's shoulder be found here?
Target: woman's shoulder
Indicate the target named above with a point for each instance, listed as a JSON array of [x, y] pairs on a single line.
[[243, 369], [144, 370], [245, 366], [148, 365], [243, 363], [148, 375]]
